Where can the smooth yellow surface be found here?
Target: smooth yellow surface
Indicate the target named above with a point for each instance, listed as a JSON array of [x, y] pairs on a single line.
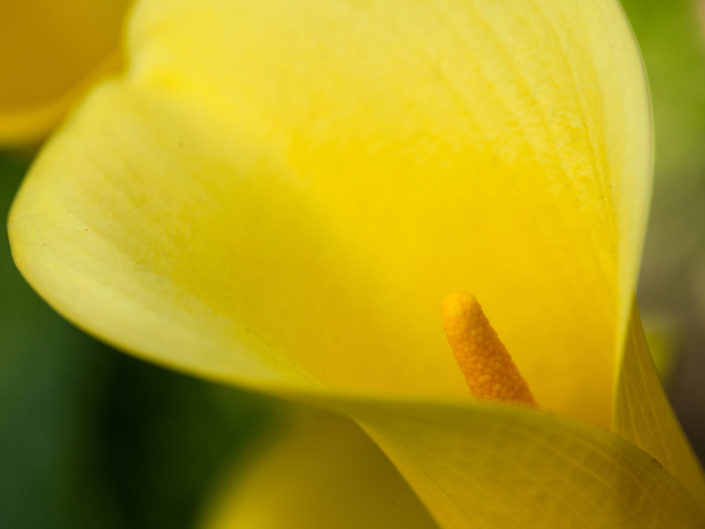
[[319, 471], [280, 194], [50, 52]]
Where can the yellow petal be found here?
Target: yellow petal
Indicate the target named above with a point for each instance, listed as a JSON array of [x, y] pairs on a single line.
[[281, 196], [489, 467], [500, 466], [321, 472], [51, 52], [644, 416]]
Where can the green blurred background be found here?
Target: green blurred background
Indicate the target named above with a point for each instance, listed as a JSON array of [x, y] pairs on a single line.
[[93, 438]]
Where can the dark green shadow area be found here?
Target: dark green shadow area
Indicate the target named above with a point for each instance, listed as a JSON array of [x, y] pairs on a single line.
[[90, 438]]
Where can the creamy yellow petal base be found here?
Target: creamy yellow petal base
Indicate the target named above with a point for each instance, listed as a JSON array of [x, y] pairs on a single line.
[[644, 416], [52, 51], [319, 472]]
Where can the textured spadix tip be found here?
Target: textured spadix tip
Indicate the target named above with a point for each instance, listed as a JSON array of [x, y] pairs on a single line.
[[460, 310], [489, 370]]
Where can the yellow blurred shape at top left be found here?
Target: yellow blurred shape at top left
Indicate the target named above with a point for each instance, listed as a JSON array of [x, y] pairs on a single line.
[[51, 51]]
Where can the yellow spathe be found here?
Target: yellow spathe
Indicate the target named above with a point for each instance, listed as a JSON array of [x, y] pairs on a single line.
[[280, 195], [318, 193], [51, 52]]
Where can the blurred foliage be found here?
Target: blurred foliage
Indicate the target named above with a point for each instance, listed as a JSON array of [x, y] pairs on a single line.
[[671, 40], [92, 438]]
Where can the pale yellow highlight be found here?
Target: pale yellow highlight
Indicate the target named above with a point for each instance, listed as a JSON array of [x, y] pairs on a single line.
[[488, 368]]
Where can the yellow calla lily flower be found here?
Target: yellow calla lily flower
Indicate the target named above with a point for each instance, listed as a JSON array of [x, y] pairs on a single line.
[[281, 196], [52, 52]]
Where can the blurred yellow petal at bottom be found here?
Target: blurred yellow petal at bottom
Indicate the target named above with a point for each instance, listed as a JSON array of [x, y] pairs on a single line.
[[52, 51], [322, 471]]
